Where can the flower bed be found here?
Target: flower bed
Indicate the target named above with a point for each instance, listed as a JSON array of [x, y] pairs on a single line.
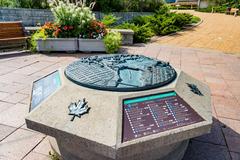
[[72, 21]]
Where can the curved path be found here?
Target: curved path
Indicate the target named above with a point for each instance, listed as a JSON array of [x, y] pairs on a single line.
[[218, 32]]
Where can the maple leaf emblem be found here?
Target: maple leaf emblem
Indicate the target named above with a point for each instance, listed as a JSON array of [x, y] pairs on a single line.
[[78, 109]]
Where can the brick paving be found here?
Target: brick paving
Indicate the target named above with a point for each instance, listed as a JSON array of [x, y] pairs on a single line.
[[217, 32], [220, 71]]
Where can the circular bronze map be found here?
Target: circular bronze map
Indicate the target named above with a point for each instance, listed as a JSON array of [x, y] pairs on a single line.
[[120, 72]]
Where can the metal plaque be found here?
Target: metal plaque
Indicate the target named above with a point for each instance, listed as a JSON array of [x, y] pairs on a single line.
[[44, 87], [120, 72], [156, 113]]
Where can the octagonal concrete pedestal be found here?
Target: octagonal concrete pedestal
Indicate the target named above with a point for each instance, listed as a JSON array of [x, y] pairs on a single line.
[[98, 135], [171, 152]]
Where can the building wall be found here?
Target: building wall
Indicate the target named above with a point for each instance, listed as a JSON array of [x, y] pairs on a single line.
[[31, 17]]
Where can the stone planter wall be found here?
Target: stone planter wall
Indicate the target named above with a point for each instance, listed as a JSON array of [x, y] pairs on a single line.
[[127, 36], [57, 44], [91, 45], [31, 17]]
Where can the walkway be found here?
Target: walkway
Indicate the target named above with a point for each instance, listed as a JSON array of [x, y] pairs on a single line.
[[220, 71], [218, 32]]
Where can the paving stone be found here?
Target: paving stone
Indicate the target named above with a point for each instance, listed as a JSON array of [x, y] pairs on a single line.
[[26, 100], [36, 156], [26, 90], [5, 131], [18, 144], [206, 151], [44, 147], [15, 98], [232, 127], [3, 95], [10, 78], [215, 80], [231, 132], [235, 156], [20, 62], [215, 137], [5, 105], [14, 116], [4, 69], [12, 88], [227, 107], [233, 143]]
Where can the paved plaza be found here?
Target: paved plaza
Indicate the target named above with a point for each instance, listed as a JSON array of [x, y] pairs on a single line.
[[220, 71], [217, 32]]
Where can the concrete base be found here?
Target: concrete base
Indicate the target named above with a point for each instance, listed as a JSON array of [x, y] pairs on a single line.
[[171, 152]]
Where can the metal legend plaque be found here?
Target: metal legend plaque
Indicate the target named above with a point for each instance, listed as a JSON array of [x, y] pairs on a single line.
[[155, 113], [43, 88]]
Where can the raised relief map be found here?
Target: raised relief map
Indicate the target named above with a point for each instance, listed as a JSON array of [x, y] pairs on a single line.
[[120, 72]]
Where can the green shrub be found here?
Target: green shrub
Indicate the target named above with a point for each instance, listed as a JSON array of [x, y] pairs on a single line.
[[33, 41], [181, 19], [9, 3], [217, 9], [195, 19], [40, 4], [109, 20], [141, 20], [128, 5], [112, 41], [164, 9], [163, 24], [142, 34]]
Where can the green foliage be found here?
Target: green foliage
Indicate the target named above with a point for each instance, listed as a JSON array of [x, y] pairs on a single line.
[[108, 6], [195, 19], [8, 3], [109, 20], [141, 20], [142, 34], [217, 9], [164, 9], [33, 41], [140, 5], [40, 4], [161, 23], [53, 156], [128, 5], [112, 41], [180, 7], [226, 3]]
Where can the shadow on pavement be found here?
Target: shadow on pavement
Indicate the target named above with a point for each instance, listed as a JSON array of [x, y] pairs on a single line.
[[212, 146]]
